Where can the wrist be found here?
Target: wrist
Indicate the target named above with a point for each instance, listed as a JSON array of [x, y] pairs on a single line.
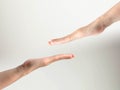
[[101, 23]]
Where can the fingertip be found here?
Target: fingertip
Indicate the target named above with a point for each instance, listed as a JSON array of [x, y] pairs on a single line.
[[50, 43], [53, 42], [72, 56]]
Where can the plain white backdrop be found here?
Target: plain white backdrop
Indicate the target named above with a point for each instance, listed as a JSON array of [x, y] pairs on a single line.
[[26, 26]]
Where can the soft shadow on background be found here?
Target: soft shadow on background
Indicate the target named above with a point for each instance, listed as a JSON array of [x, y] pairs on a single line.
[[25, 28]]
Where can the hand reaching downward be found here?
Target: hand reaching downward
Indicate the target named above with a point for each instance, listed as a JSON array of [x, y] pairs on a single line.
[[95, 27]]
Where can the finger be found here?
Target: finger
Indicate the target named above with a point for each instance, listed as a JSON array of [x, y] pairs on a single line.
[[55, 58], [61, 40], [65, 39], [79, 33]]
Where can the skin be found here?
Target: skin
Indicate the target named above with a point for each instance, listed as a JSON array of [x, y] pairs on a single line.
[[10, 76], [94, 28]]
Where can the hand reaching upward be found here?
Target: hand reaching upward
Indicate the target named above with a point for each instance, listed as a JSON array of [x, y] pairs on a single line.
[[10, 76]]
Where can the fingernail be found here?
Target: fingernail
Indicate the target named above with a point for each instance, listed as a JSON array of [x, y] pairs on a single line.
[[50, 42], [72, 56]]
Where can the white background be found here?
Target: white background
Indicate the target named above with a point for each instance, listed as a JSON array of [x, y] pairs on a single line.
[[26, 26]]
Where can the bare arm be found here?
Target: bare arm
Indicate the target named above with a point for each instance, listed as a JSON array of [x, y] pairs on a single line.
[[95, 27], [10, 76]]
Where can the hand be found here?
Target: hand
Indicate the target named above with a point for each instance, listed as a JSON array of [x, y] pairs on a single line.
[[32, 64], [10, 76], [96, 27], [91, 29]]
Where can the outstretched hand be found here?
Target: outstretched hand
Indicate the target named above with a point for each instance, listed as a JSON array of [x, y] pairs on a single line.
[[91, 29], [32, 64], [10, 76], [95, 27]]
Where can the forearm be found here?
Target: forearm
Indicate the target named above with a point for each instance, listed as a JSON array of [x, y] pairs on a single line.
[[114, 13], [9, 76], [108, 18]]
